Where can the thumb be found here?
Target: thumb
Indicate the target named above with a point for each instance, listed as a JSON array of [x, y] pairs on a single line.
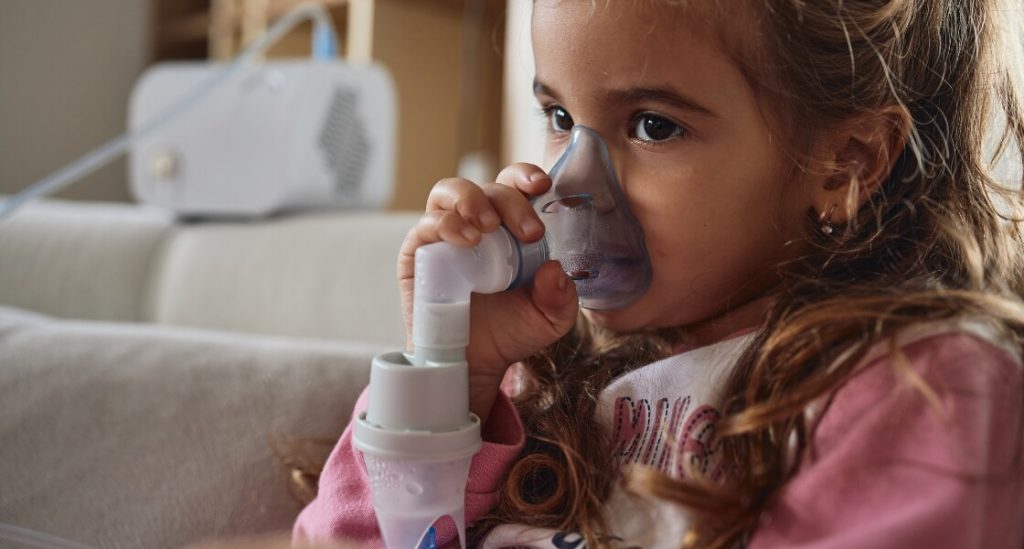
[[554, 297]]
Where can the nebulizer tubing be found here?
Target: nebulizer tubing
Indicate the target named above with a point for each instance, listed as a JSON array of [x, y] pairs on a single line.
[[324, 44]]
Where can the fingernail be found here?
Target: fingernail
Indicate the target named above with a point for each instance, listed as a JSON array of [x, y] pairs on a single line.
[[470, 233], [538, 176], [489, 219], [562, 283], [531, 227]]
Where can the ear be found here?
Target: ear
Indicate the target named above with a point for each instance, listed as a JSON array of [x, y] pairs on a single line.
[[863, 152]]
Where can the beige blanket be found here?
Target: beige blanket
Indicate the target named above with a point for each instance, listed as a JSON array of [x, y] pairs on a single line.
[[123, 435]]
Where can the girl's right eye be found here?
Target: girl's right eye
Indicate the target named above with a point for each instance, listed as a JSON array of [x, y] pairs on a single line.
[[559, 119]]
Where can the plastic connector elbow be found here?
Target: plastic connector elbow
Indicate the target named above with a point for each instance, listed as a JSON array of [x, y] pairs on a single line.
[[446, 276]]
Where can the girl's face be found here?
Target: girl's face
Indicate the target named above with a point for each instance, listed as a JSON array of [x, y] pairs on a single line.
[[699, 165]]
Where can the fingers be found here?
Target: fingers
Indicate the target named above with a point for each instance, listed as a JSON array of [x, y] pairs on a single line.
[[515, 211], [482, 208], [448, 226], [460, 212], [527, 178], [530, 180], [460, 218], [509, 326], [465, 198], [554, 296], [435, 226]]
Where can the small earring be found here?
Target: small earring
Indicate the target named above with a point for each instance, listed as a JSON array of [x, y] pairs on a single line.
[[827, 228]]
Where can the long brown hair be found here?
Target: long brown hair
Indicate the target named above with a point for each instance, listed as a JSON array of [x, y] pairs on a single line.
[[939, 239]]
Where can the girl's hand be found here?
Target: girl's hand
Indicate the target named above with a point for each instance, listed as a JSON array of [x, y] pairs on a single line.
[[509, 326]]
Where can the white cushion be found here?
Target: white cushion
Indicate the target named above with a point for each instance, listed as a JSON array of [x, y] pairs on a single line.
[[329, 276], [119, 435], [80, 260]]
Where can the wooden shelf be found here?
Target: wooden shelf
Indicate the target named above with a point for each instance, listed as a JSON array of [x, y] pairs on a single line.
[[179, 29]]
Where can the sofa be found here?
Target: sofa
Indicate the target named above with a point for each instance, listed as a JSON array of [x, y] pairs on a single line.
[[155, 372]]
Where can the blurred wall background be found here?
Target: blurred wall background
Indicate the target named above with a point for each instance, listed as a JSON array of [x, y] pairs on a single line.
[[66, 70], [524, 128]]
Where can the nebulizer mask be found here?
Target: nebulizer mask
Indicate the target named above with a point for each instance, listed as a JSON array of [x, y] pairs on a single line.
[[589, 228], [417, 435]]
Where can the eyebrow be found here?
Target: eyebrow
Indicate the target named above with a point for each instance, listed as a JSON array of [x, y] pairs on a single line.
[[635, 95]]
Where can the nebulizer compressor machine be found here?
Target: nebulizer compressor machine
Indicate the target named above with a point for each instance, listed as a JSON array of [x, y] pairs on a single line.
[[417, 435], [245, 139]]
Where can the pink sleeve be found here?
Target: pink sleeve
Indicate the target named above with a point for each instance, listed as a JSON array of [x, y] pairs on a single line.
[[890, 469], [343, 508]]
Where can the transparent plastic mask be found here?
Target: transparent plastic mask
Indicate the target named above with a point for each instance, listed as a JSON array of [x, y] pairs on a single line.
[[589, 228]]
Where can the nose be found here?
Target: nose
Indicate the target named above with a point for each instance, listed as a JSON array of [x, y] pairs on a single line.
[[584, 176]]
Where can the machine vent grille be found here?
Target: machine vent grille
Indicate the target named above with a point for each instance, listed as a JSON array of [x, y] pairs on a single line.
[[344, 143]]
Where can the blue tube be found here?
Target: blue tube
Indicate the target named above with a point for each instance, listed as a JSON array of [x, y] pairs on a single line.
[[325, 43], [429, 539]]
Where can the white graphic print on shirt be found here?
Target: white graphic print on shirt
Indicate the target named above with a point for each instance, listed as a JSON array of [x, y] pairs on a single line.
[[671, 438], [661, 415]]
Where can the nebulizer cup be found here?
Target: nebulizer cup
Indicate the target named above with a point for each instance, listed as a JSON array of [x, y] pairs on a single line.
[[418, 436], [418, 439]]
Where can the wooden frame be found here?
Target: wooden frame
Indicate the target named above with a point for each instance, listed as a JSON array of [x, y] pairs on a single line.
[[233, 24]]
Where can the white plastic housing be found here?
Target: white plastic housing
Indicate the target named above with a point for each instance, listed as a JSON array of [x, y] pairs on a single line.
[[276, 136], [445, 277], [417, 438], [410, 496]]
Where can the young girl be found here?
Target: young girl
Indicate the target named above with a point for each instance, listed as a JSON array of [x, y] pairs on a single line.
[[828, 352]]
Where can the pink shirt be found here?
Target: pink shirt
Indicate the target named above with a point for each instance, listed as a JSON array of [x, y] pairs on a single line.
[[890, 468]]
